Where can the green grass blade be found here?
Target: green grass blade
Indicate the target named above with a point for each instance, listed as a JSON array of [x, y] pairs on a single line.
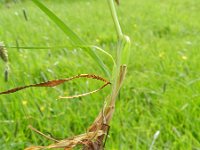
[[102, 51], [96, 48], [76, 40]]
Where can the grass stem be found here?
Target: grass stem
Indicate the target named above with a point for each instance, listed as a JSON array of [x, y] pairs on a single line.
[[115, 18]]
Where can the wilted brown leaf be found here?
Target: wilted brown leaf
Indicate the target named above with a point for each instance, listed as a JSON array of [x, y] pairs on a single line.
[[60, 81]]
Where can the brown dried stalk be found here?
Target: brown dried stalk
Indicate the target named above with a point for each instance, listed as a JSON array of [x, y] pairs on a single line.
[[86, 139], [57, 82], [93, 140], [103, 119], [69, 143]]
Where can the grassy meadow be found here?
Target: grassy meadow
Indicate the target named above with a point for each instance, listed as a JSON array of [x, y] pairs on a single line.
[[161, 92]]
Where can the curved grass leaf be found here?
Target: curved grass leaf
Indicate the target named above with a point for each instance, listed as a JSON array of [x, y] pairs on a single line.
[[76, 40], [73, 37], [53, 47], [126, 50], [101, 50]]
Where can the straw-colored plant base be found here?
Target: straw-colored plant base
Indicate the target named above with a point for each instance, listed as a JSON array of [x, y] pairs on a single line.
[[102, 121], [66, 144]]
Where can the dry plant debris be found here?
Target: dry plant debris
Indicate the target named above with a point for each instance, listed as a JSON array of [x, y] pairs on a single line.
[[94, 138], [84, 139], [57, 82]]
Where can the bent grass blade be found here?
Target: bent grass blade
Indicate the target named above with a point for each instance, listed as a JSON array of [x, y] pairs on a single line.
[[97, 48], [76, 40]]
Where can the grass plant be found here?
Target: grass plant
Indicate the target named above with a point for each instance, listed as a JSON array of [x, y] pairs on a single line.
[[160, 93], [94, 138]]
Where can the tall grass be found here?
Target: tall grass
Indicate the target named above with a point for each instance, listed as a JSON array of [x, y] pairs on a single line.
[[161, 90], [94, 138]]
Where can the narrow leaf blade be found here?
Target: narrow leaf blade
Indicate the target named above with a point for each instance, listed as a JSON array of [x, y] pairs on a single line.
[[73, 36]]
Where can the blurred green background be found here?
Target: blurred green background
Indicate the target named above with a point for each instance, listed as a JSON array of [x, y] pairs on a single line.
[[161, 92]]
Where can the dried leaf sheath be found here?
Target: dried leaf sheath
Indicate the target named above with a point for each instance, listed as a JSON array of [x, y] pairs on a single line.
[[69, 143], [85, 94], [53, 83], [102, 121]]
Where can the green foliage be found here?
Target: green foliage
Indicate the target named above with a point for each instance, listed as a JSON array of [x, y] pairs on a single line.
[[10, 1], [161, 91], [74, 38]]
